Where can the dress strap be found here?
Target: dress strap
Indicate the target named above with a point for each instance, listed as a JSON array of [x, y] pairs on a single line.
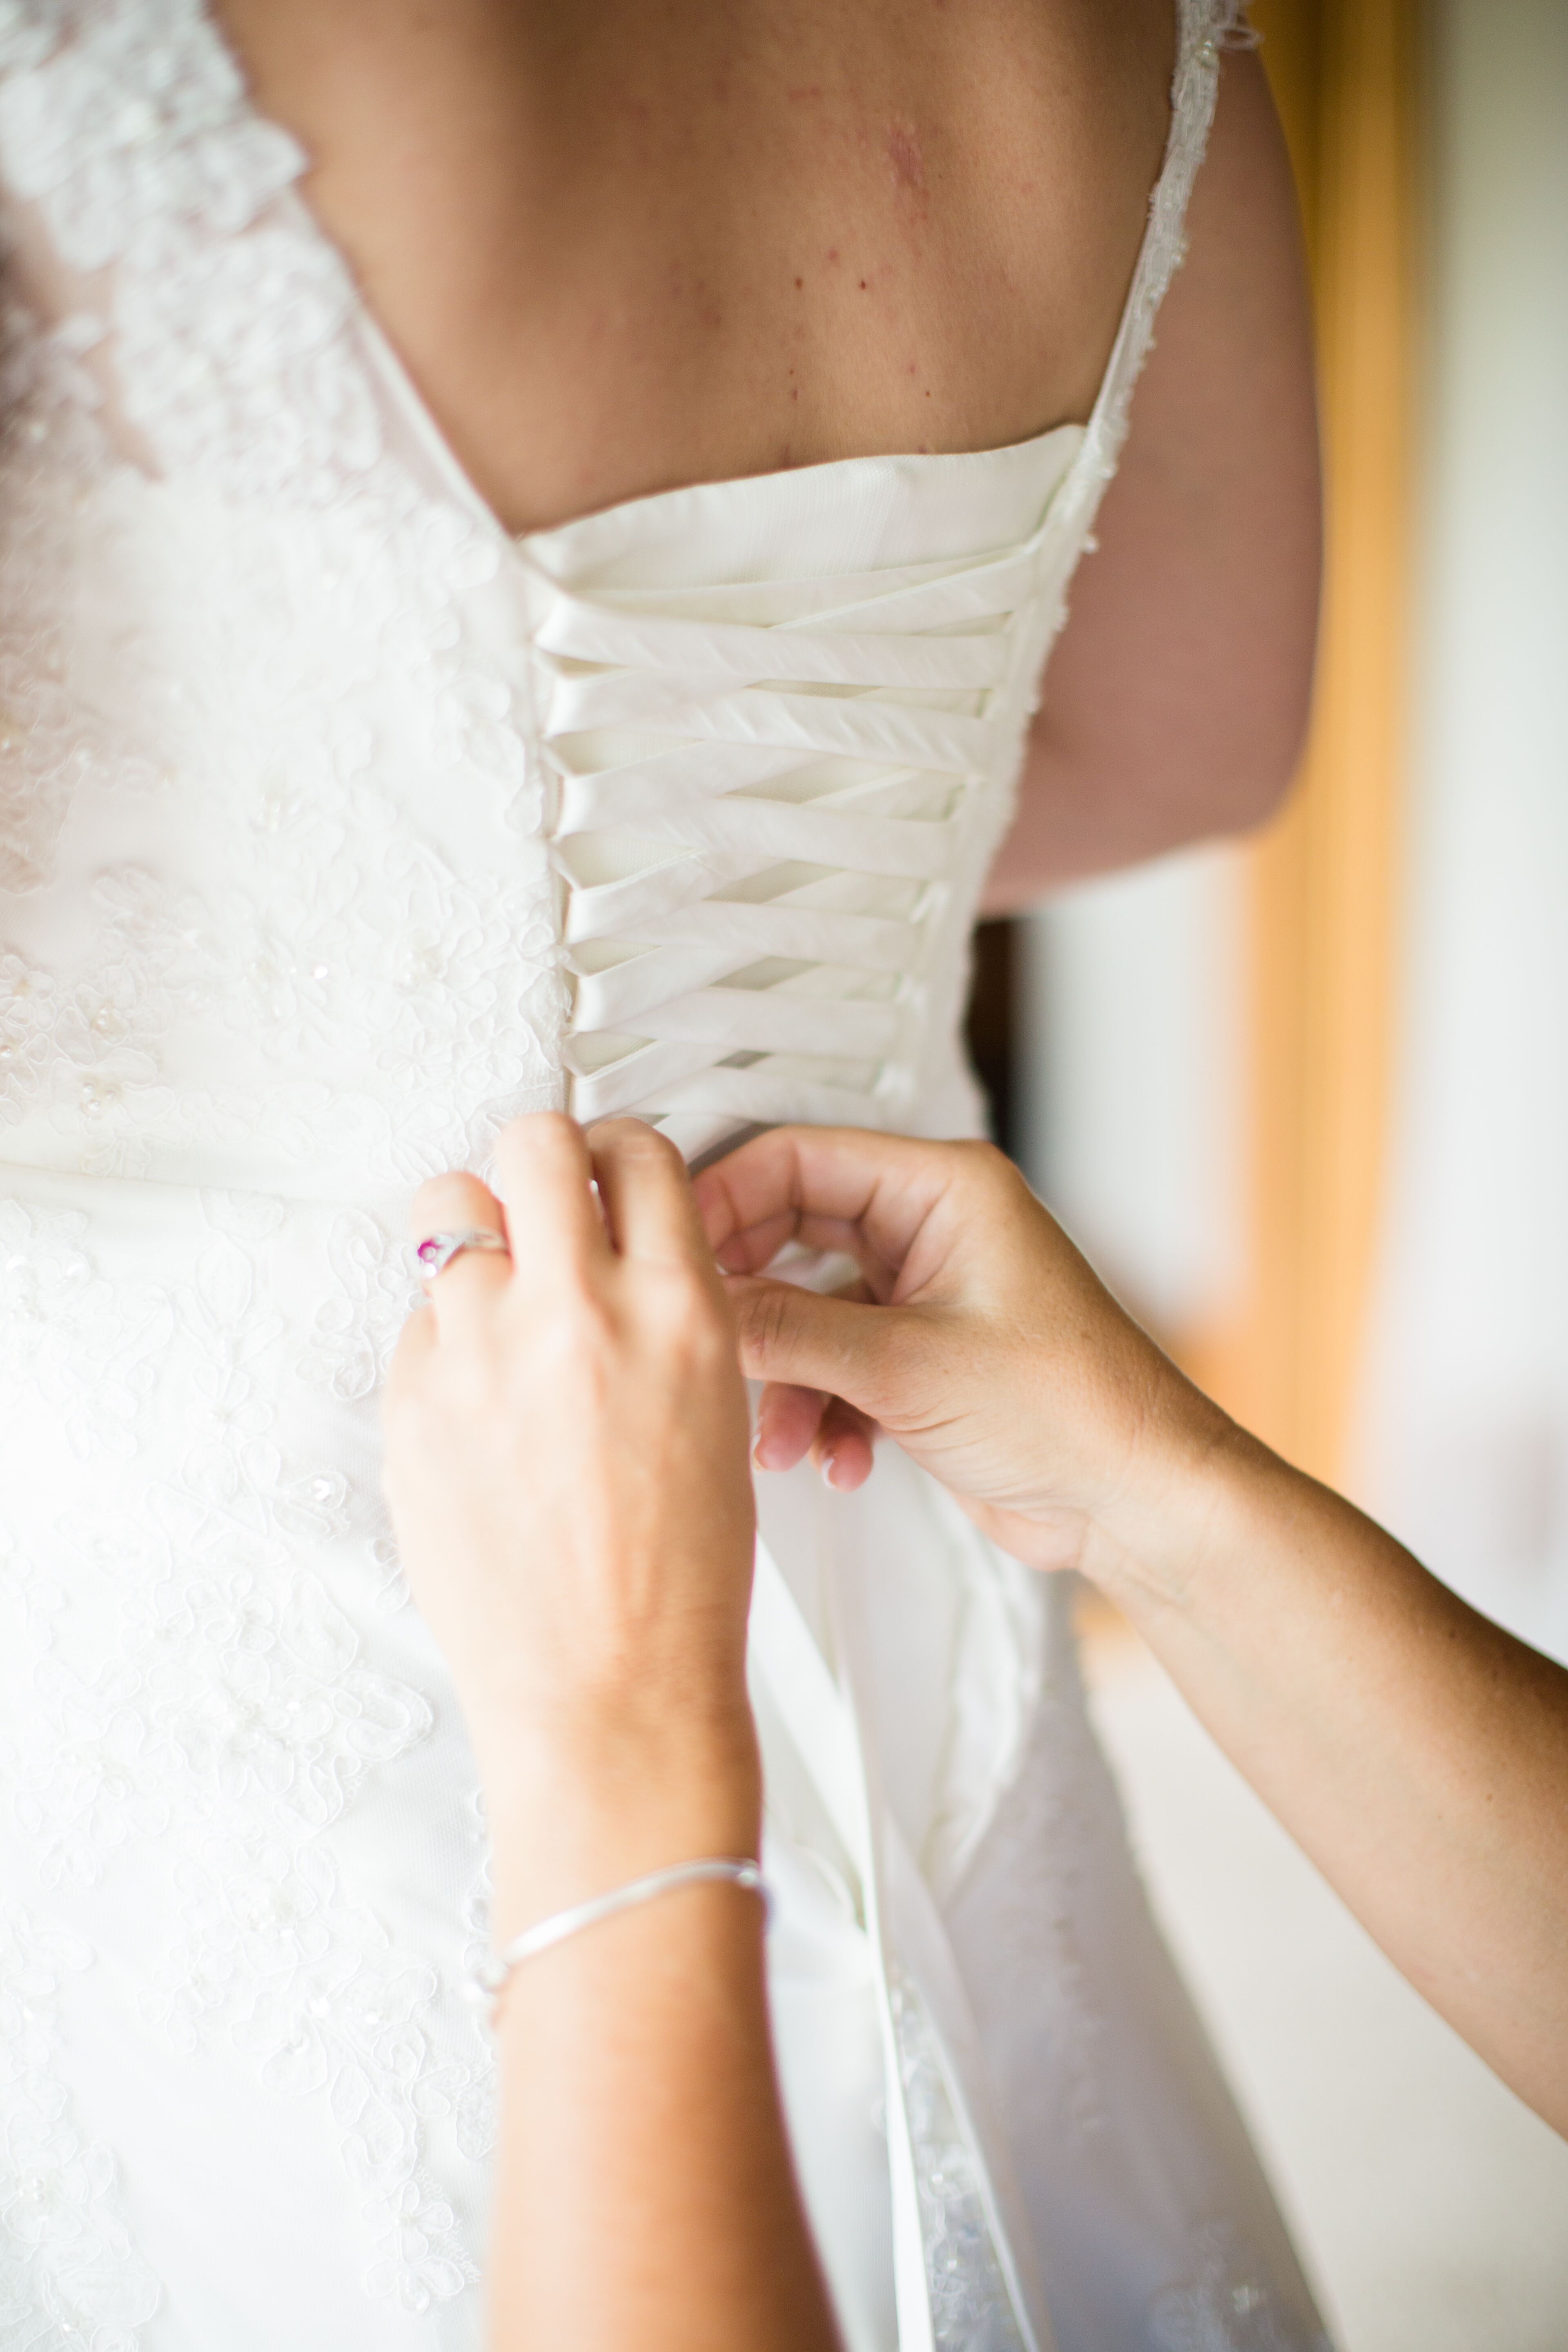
[[1204, 29]]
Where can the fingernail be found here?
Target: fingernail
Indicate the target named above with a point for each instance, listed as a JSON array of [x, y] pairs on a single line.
[[829, 1464]]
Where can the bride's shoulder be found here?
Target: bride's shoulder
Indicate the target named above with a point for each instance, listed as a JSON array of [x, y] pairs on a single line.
[[619, 251]]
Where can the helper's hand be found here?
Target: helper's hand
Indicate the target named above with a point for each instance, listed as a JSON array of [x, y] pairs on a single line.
[[566, 1464], [985, 1345], [566, 1444], [1418, 1753]]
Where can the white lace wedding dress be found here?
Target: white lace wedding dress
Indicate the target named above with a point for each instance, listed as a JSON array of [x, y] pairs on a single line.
[[335, 827]]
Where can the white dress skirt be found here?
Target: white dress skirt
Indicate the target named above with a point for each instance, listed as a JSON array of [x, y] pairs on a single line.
[[336, 826]]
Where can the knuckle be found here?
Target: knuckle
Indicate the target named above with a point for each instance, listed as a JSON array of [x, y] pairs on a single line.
[[687, 1314], [453, 1197], [674, 1297], [766, 1316], [980, 1167], [634, 1141], [534, 1130], [575, 1337], [586, 1312], [707, 1334], [981, 1162]]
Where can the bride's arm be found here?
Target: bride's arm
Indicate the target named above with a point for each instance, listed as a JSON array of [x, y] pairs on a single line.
[[1176, 700], [567, 1462]]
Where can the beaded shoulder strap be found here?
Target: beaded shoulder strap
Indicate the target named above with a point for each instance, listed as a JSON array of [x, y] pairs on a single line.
[[1204, 29]]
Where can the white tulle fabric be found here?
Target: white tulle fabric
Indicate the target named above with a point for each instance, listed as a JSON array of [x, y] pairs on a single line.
[[335, 827]]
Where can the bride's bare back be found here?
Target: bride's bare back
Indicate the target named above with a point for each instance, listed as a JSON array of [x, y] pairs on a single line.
[[622, 249]]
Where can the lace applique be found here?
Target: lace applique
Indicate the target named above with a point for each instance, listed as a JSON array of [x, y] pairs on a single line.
[[466, 2096], [970, 2307], [233, 1717], [26, 1033], [134, 137], [105, 1030], [75, 1349], [375, 1289], [1047, 1822], [346, 931], [278, 1962], [1226, 2306], [233, 1684], [159, 125], [257, 672], [1204, 28], [265, 663], [69, 2276], [48, 744]]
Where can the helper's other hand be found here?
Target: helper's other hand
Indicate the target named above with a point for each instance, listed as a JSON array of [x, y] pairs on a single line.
[[984, 1343], [1417, 1752], [566, 1464]]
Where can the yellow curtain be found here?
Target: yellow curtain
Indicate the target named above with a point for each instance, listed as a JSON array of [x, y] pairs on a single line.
[[1322, 883]]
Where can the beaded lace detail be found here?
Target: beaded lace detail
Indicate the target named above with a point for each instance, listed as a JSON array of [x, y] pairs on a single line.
[[233, 1720], [70, 2275], [286, 988], [1047, 1820], [314, 929], [971, 2309], [1224, 2305]]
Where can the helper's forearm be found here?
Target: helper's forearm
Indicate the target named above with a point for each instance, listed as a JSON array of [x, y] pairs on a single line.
[[1417, 1752], [646, 2198]]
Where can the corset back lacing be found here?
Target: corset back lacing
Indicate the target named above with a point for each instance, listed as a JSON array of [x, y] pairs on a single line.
[[756, 830]]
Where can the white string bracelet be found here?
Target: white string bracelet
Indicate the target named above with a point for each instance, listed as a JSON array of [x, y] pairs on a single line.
[[490, 1980]]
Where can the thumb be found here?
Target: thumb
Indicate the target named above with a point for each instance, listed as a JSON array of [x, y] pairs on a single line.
[[808, 1341]]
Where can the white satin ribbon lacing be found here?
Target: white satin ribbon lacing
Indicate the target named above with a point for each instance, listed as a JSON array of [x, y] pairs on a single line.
[[759, 831], [906, 1939]]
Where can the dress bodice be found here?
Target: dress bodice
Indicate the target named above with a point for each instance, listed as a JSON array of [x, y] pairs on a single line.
[[782, 717], [313, 780]]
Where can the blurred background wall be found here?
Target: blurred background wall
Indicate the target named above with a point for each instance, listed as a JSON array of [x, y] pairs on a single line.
[[1459, 1434], [1305, 1102], [1306, 1099]]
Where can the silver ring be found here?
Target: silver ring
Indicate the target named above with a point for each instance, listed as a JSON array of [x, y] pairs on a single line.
[[436, 1251]]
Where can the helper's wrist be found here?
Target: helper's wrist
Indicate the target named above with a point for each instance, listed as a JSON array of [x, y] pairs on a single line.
[[1153, 1547]]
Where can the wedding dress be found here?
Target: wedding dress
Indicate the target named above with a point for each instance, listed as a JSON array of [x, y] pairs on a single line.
[[335, 829]]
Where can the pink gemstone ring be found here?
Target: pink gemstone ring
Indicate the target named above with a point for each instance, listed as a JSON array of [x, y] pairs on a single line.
[[436, 1251]]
